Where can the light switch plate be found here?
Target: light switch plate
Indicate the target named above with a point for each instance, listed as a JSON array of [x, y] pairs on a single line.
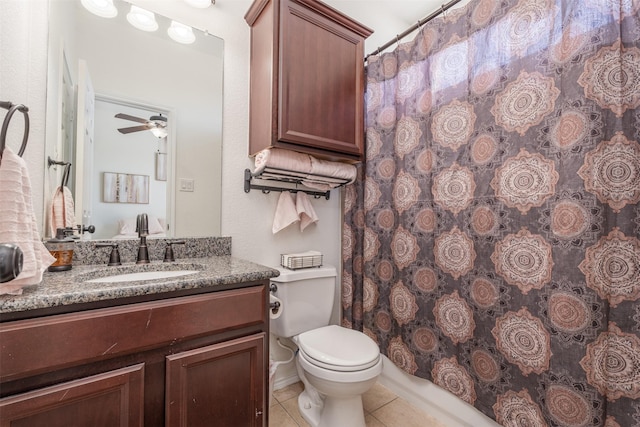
[[186, 184]]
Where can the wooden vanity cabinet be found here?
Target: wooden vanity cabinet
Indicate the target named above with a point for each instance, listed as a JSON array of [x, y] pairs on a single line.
[[307, 79], [199, 360]]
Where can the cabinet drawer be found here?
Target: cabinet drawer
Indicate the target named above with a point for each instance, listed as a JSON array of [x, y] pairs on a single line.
[[34, 346]]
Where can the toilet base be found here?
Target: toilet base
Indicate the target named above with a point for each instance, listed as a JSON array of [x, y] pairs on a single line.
[[326, 403], [339, 411]]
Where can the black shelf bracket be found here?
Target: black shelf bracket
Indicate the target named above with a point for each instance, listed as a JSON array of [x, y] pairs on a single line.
[[249, 184]]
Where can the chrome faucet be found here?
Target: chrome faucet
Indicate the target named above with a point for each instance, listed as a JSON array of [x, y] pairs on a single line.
[[142, 227]]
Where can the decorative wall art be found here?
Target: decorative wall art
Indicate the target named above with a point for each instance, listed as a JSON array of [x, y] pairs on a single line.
[[161, 166], [125, 188]]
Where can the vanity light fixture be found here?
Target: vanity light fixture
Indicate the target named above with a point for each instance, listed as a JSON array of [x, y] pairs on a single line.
[[181, 33], [200, 4], [142, 19], [102, 8]]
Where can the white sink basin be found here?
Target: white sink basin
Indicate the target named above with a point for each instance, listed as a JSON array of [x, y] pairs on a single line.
[[145, 275]]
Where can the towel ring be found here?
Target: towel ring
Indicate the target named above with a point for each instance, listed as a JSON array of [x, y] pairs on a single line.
[[65, 175], [5, 125]]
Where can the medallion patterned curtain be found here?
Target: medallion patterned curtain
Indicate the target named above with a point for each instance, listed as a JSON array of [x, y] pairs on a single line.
[[492, 241]]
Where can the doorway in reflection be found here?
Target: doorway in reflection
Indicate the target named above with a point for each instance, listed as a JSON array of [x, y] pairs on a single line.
[[132, 158]]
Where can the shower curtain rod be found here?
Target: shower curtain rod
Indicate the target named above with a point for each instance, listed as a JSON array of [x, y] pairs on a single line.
[[420, 23]]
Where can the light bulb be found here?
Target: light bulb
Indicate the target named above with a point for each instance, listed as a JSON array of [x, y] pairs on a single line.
[[181, 33], [102, 8], [159, 132], [142, 19]]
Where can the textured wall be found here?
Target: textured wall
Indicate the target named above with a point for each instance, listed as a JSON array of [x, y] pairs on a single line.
[[23, 48]]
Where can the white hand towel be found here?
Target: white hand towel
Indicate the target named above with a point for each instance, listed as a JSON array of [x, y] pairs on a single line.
[[18, 223], [286, 213], [62, 212], [305, 210]]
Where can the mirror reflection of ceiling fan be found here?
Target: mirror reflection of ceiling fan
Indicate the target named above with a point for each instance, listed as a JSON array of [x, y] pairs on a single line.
[[156, 124]]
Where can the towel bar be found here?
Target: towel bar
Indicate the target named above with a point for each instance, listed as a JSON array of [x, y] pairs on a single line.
[[283, 178]]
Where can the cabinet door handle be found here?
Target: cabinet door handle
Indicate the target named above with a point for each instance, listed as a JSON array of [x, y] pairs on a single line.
[[258, 412]]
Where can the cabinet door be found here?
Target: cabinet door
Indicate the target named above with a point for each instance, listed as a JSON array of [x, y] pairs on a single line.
[[218, 385], [112, 399], [321, 82]]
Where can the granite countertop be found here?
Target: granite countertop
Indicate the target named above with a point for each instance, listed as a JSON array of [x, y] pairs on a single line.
[[70, 287]]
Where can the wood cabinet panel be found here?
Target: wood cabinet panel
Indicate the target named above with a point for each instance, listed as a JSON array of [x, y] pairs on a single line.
[[322, 79], [116, 367], [112, 399], [38, 345], [220, 385], [307, 79]]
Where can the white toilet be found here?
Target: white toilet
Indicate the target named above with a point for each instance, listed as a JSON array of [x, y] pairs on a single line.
[[337, 365]]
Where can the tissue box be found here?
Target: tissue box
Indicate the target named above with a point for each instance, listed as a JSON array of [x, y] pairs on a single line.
[[301, 260]]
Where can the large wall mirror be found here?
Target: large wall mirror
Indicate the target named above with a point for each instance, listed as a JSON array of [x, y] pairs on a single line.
[[140, 74]]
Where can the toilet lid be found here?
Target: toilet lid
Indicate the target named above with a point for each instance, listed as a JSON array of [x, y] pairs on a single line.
[[338, 348]]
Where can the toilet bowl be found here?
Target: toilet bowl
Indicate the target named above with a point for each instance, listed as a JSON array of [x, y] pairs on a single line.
[[336, 364]]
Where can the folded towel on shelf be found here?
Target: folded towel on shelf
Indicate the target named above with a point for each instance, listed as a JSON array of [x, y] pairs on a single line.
[[286, 213], [305, 210], [323, 175], [337, 170], [18, 223], [62, 212], [282, 159]]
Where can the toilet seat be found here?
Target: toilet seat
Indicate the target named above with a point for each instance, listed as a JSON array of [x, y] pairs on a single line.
[[338, 349]]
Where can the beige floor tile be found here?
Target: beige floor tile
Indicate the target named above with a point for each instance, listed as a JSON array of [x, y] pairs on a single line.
[[371, 421], [288, 392], [278, 417], [376, 397], [401, 414], [291, 406]]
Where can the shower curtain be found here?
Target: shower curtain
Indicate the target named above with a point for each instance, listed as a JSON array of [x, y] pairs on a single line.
[[492, 241]]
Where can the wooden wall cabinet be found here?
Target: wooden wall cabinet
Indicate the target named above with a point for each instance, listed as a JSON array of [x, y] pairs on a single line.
[[307, 79], [199, 360]]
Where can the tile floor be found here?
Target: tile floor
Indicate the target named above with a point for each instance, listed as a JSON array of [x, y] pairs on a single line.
[[382, 409]]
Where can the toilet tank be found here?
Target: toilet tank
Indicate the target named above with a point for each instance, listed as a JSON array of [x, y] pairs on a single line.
[[307, 297]]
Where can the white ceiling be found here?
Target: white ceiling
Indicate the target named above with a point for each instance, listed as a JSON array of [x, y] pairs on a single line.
[[387, 17]]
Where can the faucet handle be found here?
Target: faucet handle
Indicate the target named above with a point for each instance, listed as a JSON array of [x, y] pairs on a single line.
[[114, 257], [168, 253]]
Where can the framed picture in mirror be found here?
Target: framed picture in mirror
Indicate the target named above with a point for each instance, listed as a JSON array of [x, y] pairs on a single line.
[[125, 188]]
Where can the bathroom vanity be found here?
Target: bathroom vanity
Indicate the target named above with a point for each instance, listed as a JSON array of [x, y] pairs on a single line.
[[183, 351]]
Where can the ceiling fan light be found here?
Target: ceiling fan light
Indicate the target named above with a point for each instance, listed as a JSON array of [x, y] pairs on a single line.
[[102, 8], [181, 33], [142, 19], [159, 132], [200, 4]]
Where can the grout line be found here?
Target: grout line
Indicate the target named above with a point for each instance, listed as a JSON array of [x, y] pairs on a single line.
[[377, 409], [293, 418]]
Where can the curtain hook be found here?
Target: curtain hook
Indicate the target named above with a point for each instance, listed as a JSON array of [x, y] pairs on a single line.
[[443, 10], [398, 40]]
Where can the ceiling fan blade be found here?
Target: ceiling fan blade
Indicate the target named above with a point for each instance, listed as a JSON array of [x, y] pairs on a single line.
[[135, 128], [132, 118]]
